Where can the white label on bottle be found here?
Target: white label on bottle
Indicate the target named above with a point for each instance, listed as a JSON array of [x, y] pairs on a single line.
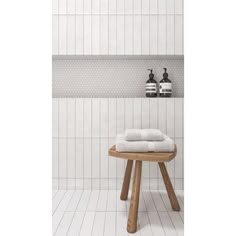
[[165, 87], [151, 88]]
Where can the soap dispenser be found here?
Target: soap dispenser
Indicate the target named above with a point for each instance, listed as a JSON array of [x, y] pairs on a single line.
[[151, 85], [165, 86]]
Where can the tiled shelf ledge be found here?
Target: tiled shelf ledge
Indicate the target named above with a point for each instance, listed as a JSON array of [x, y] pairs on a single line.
[[117, 57]]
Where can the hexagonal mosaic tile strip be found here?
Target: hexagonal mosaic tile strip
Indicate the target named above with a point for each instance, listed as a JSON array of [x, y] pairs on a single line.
[[112, 78]]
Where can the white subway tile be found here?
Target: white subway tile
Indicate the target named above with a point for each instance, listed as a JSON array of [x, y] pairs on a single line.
[[170, 34], [71, 37], [87, 34]]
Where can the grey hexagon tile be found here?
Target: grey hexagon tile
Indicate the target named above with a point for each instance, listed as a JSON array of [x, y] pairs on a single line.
[[112, 78]]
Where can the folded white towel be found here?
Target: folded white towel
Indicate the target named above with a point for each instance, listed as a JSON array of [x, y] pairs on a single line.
[[167, 145], [143, 135]]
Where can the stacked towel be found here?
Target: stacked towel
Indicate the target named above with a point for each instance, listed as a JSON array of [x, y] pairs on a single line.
[[162, 142], [143, 135]]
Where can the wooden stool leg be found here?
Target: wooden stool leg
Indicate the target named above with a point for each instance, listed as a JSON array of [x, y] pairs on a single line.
[[133, 209], [173, 200], [126, 181]]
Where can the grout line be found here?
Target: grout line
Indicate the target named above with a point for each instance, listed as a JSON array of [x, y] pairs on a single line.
[[67, 142]]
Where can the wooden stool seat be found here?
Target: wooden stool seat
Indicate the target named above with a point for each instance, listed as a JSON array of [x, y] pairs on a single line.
[[143, 156], [159, 157]]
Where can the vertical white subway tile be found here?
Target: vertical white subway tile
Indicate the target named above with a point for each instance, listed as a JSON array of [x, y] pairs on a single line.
[[178, 34], [120, 6], [71, 117], [104, 35], [79, 158], [62, 6], [170, 35], [112, 117], [95, 117], [145, 35], [179, 184], [162, 35], [71, 6], [145, 113], [79, 6], [71, 159], [79, 117], [129, 7], [179, 158], [137, 113], [162, 6], [63, 35], [55, 34], [112, 35], [87, 35], [87, 184], [95, 34], [87, 158], [55, 158], [178, 6], [145, 6], [170, 5], [112, 7], [170, 118], [154, 113], [120, 47], [120, 115], [62, 158], [137, 6], [104, 117], [87, 117], [87, 7], [71, 35], [55, 6], [153, 34], [137, 34], [55, 120], [95, 6], [79, 35], [104, 6], [63, 117], [112, 161], [128, 113], [104, 157], [178, 117], [95, 158], [153, 6], [162, 114], [154, 171], [128, 35]]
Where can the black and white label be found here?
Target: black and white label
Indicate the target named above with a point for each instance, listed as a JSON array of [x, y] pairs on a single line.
[[165, 87], [151, 88]]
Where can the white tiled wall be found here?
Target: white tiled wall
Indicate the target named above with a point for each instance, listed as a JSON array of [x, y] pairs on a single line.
[[85, 128], [117, 27]]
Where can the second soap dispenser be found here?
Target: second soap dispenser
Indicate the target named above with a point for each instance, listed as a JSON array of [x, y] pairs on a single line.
[[151, 85]]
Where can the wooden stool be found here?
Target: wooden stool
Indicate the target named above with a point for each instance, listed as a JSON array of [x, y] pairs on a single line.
[[138, 158]]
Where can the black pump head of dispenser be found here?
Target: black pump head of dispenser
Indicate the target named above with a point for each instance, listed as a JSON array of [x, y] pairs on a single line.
[[151, 75], [165, 75]]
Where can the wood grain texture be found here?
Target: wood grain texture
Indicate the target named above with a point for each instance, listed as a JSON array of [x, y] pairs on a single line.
[[133, 210], [171, 194], [126, 182], [143, 156]]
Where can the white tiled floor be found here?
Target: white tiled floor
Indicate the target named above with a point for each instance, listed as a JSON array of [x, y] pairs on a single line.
[[97, 213]]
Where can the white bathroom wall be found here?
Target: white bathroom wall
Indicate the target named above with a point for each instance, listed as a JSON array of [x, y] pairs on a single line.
[[117, 27], [85, 128]]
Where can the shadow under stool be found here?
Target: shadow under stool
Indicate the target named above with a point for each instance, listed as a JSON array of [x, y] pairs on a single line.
[[161, 158]]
